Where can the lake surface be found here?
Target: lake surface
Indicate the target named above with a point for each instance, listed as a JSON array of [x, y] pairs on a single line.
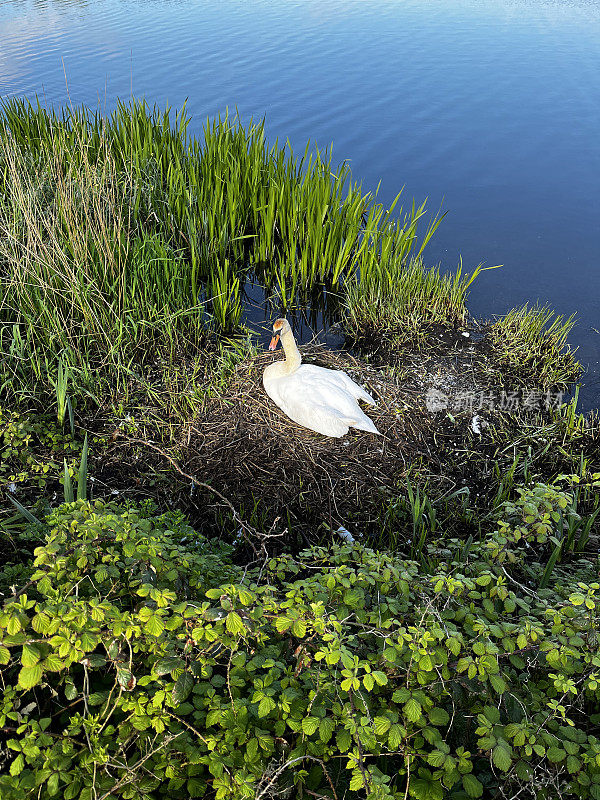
[[491, 107]]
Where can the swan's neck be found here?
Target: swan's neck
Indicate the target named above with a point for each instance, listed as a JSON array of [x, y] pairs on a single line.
[[293, 359]]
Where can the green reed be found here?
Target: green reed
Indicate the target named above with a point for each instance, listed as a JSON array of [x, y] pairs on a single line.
[[395, 298], [122, 234], [533, 341]]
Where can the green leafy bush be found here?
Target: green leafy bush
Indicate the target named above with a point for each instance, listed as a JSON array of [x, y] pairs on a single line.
[[545, 515], [141, 664], [531, 519], [30, 446]]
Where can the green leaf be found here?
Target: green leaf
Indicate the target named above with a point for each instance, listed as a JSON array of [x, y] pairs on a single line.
[[252, 750], [183, 687], [4, 655], [453, 645], [299, 628], [168, 664], [412, 709], [426, 789], [23, 511], [492, 714], [155, 625], [555, 754], [17, 765], [343, 740], [380, 677], [439, 716], [282, 624], [246, 597], [472, 786], [30, 676], [266, 705], [82, 475], [509, 605], [196, 787], [326, 728], [594, 789], [310, 725], [351, 598], [357, 781], [573, 764], [89, 641], [14, 625], [41, 623], [68, 487], [436, 758], [577, 599], [523, 770], [501, 756], [72, 790], [53, 663], [395, 737], [381, 725], [234, 623], [498, 683], [53, 783], [425, 663]]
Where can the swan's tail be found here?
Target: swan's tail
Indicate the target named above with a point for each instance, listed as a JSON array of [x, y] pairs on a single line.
[[366, 397], [364, 423]]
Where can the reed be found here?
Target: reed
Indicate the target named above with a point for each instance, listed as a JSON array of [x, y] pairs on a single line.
[[395, 299], [123, 235], [532, 344]]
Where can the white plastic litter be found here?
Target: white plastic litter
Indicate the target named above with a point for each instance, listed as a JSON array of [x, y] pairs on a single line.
[[345, 534], [478, 424]]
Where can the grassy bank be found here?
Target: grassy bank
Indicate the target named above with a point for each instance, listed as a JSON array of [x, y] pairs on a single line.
[[200, 598]]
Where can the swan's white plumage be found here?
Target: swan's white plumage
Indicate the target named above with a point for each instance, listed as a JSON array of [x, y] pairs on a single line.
[[321, 399]]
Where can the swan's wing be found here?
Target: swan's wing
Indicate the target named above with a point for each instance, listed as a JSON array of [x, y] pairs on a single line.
[[315, 387], [339, 378], [303, 406], [313, 399]]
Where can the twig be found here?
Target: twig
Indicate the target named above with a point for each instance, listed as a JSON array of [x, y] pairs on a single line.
[[290, 763], [246, 527]]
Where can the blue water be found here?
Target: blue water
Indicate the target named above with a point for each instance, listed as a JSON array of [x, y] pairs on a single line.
[[489, 106]]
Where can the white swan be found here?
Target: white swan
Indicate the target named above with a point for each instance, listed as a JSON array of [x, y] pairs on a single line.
[[324, 400]]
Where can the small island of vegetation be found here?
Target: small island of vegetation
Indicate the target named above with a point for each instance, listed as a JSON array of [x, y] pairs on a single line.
[[202, 599]]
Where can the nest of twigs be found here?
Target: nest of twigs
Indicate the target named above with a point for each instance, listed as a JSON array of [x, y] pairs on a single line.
[[248, 449]]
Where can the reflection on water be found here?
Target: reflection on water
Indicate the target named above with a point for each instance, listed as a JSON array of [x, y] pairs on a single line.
[[489, 105], [312, 317]]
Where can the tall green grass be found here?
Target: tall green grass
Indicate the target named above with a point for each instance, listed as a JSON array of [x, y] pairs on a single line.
[[395, 299], [124, 236], [532, 343]]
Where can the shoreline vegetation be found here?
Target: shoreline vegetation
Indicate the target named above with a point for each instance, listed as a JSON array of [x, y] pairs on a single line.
[[200, 598]]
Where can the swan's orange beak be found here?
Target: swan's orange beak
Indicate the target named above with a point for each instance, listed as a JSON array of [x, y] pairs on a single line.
[[274, 342]]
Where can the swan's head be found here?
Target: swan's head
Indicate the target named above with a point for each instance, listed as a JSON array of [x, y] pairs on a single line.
[[280, 328]]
